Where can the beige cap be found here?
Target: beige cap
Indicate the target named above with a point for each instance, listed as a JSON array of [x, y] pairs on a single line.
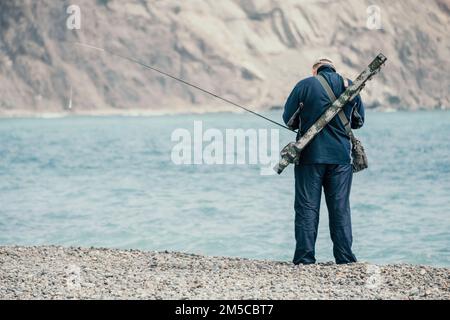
[[322, 61]]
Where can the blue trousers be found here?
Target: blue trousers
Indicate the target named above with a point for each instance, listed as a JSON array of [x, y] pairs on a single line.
[[336, 181]]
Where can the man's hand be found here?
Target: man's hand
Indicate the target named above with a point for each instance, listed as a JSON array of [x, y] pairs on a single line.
[[289, 154]]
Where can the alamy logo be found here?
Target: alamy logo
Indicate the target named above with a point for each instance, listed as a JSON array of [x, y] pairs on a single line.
[[235, 147], [73, 277], [373, 17], [373, 280], [73, 22]]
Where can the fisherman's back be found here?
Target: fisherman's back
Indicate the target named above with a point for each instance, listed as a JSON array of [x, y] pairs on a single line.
[[332, 144]]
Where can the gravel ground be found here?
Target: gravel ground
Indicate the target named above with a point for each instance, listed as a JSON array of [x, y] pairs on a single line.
[[82, 273]]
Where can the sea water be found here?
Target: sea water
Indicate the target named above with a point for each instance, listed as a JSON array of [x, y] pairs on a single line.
[[111, 182]]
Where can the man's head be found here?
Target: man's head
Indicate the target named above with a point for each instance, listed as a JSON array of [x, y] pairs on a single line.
[[320, 62]]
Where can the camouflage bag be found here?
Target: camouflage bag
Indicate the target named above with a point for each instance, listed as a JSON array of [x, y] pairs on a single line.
[[359, 157]]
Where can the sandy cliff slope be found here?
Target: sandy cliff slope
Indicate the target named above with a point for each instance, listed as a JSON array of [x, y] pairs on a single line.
[[252, 52]]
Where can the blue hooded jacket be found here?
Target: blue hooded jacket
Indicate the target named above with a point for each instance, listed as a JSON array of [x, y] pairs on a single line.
[[332, 144]]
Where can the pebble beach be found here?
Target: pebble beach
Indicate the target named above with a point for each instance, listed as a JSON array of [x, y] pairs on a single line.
[[53, 272]]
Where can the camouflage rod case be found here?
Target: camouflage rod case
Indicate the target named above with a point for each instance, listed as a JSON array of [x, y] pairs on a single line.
[[292, 151]]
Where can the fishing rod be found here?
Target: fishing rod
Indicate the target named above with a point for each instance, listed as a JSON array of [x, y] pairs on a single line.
[[182, 81]]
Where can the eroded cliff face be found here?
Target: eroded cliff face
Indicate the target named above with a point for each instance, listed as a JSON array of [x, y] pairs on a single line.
[[252, 52]]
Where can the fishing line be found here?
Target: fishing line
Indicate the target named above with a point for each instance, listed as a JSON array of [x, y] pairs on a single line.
[[182, 81]]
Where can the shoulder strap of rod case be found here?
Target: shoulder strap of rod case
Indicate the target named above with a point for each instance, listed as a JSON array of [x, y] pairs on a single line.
[[333, 98]]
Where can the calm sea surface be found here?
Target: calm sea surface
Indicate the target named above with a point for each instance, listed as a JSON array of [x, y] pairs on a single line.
[[110, 181]]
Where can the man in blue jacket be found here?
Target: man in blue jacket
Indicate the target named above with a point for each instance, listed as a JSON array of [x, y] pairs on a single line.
[[325, 162]]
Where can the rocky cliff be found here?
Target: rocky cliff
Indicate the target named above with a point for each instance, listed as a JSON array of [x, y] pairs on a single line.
[[252, 52]]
